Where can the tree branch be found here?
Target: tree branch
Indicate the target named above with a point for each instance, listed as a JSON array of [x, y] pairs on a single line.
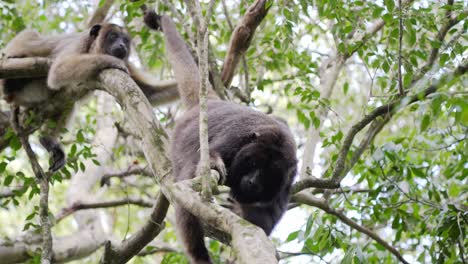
[[43, 179], [84, 206], [100, 13], [390, 108], [134, 244], [323, 205], [126, 173], [329, 71], [241, 39]]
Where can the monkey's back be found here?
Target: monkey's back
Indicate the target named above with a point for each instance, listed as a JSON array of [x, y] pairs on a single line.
[[229, 125]]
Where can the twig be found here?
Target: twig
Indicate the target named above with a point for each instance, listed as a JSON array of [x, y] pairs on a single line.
[[108, 204], [322, 204], [158, 249], [400, 40], [202, 50], [136, 242], [131, 170], [339, 169]]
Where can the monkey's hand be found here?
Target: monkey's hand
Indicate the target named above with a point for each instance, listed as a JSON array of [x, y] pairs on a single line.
[[216, 163], [110, 62], [152, 20]]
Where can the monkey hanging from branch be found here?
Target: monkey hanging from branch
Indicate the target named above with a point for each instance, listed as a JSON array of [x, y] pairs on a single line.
[[77, 59], [254, 153]]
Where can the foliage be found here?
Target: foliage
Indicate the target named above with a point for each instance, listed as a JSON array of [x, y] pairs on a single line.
[[409, 186]]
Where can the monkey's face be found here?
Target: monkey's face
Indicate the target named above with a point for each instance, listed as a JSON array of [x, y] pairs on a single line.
[[117, 44], [112, 39], [259, 172]]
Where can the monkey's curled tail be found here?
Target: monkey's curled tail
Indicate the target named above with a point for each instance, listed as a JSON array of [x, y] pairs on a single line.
[[184, 66]]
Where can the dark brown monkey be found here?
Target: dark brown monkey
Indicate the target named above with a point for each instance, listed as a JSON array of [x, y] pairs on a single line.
[[77, 59], [257, 151]]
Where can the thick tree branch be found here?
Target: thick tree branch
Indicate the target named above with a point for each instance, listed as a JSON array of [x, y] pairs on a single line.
[[241, 38], [314, 182], [100, 13], [243, 234], [322, 204]]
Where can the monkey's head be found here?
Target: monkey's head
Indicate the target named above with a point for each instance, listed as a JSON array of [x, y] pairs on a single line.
[[263, 167], [110, 39]]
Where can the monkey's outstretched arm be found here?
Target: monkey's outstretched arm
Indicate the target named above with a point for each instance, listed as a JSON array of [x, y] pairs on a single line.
[[68, 69], [184, 67]]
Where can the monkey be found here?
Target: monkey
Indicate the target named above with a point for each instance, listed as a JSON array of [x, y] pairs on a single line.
[[256, 153], [76, 59]]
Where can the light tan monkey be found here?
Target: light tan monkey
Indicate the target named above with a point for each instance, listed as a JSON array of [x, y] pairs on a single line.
[[77, 59]]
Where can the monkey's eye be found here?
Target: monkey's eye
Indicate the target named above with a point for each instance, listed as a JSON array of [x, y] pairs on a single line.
[[112, 36]]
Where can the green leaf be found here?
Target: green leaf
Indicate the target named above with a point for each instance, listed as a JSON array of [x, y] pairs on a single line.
[[80, 137], [8, 180], [425, 123], [292, 236], [14, 143], [443, 59], [390, 4], [3, 166]]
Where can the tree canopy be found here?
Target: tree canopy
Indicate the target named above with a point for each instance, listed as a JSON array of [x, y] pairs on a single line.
[[375, 93]]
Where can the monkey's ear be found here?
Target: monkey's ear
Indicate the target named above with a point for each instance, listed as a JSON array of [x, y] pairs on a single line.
[[253, 136], [94, 31]]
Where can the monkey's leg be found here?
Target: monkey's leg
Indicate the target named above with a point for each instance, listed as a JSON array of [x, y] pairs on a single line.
[[57, 155], [190, 231], [28, 43], [68, 69], [50, 134]]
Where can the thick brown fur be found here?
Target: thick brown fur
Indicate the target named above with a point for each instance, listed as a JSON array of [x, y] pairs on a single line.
[[77, 59], [256, 152]]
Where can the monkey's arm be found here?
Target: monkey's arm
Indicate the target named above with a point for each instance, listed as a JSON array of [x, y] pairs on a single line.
[[68, 69], [184, 67]]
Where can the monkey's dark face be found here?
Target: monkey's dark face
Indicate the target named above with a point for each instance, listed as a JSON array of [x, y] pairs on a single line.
[[113, 40], [117, 44], [259, 172]]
